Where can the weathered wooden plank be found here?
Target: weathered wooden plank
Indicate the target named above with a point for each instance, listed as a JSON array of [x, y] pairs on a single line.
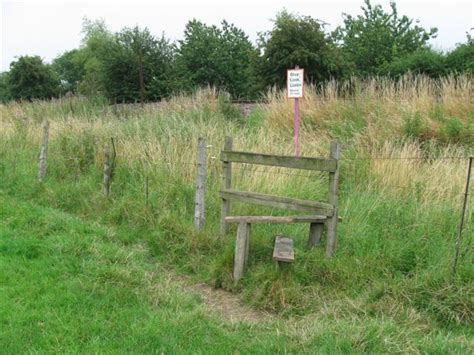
[[283, 250], [333, 195], [315, 233], [320, 208], [226, 183], [240, 250], [320, 164], [276, 219]]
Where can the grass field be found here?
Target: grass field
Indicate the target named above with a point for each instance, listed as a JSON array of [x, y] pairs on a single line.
[[81, 272]]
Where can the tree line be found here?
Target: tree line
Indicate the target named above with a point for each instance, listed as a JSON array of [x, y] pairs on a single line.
[[133, 65]]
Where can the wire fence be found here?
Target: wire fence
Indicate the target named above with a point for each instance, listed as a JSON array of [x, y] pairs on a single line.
[[252, 169]]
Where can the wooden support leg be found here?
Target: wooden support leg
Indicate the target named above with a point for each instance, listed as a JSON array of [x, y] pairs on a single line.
[[240, 250], [315, 232], [247, 246], [332, 234]]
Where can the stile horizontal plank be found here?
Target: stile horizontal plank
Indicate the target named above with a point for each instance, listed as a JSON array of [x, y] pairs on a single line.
[[320, 164], [315, 207], [283, 250], [276, 219]]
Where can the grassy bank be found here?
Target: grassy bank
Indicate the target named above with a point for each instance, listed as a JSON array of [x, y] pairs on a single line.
[[70, 286], [403, 170]]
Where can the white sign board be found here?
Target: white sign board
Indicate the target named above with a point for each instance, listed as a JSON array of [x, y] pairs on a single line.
[[295, 83]]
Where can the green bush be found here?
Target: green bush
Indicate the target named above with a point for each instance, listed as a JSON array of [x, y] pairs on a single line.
[[453, 130], [414, 126], [427, 62], [461, 59], [228, 109]]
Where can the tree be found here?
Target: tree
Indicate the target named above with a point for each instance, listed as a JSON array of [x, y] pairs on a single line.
[[298, 40], [376, 38], [461, 59], [220, 57], [29, 78], [137, 66], [70, 67], [4, 89], [93, 53]]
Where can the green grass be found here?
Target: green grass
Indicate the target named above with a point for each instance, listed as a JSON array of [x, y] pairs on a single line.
[[82, 272], [70, 286]]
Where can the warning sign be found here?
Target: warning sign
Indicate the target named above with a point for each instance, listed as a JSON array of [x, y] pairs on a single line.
[[295, 83]]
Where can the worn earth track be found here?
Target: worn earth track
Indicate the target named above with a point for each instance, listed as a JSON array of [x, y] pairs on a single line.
[[228, 305]]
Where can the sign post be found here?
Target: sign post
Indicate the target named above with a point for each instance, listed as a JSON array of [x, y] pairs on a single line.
[[295, 90]]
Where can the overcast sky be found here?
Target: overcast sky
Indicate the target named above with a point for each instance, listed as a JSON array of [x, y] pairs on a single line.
[[48, 28]]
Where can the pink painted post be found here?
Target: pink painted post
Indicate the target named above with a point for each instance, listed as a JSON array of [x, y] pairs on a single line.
[[295, 90], [297, 127]]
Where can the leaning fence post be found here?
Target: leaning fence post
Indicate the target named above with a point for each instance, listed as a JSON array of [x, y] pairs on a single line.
[[333, 193], [109, 167], [43, 152], [199, 205], [226, 184], [463, 213]]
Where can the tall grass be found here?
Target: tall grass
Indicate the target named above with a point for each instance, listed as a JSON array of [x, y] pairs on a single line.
[[404, 163]]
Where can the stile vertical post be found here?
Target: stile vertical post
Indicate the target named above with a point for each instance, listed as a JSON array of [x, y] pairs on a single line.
[[43, 152], [226, 182], [199, 206], [335, 153]]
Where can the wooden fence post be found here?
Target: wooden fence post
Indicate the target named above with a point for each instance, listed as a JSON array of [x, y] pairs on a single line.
[[43, 152], [109, 166], [199, 205], [226, 184], [333, 194], [463, 213], [107, 171]]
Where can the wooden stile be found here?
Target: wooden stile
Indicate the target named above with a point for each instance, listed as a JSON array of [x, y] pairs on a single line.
[[321, 212]]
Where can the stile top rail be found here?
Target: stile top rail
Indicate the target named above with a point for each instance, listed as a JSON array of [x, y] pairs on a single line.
[[286, 161]]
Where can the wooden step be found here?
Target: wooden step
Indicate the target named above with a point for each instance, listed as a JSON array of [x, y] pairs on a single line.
[[283, 250]]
